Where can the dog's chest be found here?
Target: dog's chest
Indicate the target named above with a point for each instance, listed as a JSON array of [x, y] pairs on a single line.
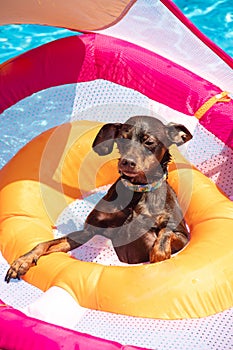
[[153, 206]]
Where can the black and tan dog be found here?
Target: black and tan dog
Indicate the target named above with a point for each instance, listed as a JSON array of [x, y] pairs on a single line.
[[140, 212]]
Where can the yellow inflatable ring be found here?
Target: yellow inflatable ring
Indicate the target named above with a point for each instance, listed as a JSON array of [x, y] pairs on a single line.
[[58, 167]]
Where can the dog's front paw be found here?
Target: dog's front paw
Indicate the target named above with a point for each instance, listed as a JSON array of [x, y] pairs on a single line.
[[157, 255], [19, 267]]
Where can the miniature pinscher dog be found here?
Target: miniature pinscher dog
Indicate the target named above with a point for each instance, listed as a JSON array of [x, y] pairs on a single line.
[[140, 212]]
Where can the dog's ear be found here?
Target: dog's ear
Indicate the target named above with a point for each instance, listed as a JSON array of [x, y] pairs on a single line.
[[104, 141], [178, 133]]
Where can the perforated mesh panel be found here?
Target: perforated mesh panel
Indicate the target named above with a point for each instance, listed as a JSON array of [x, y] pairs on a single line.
[[211, 333], [99, 249], [108, 102], [17, 294], [213, 158]]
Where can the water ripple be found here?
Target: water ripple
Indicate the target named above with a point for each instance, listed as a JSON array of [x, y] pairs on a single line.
[[213, 18], [18, 38]]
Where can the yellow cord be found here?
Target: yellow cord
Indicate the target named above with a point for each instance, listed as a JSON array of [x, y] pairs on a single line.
[[221, 97]]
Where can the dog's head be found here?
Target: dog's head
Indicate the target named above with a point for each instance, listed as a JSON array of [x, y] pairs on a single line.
[[143, 144]]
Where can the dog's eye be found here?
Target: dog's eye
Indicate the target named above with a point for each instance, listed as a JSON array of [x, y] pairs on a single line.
[[149, 142]]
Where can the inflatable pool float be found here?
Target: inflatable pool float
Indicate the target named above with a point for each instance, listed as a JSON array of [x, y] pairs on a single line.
[[182, 279], [58, 166]]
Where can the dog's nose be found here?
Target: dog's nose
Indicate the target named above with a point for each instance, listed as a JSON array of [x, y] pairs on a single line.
[[128, 162]]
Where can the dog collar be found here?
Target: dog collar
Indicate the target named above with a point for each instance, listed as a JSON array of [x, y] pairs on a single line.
[[144, 188]]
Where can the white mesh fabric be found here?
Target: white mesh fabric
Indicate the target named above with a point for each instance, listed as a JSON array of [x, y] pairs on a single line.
[[213, 158], [18, 294], [99, 249], [152, 20], [105, 101], [210, 333]]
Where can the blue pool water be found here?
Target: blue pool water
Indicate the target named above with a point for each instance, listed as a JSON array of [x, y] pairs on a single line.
[[16, 39], [213, 17]]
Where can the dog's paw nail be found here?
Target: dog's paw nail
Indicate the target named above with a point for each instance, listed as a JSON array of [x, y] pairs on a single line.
[[7, 279], [9, 276]]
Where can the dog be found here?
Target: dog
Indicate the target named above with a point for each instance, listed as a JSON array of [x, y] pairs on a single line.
[[140, 212]]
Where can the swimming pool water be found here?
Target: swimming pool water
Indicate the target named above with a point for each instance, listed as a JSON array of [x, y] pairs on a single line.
[[213, 17], [16, 39]]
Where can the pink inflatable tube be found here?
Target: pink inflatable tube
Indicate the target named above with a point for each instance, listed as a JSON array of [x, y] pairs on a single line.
[[95, 56], [21, 332]]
